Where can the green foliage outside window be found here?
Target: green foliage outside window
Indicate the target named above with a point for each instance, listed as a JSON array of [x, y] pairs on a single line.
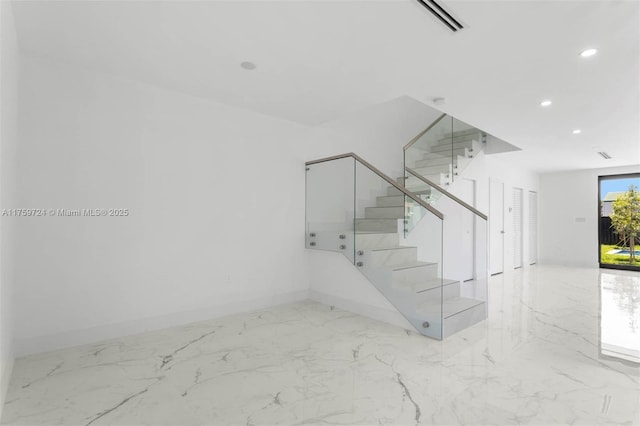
[[625, 219]]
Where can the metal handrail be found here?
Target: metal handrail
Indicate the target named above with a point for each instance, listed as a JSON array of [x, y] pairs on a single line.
[[414, 140], [447, 193], [402, 189]]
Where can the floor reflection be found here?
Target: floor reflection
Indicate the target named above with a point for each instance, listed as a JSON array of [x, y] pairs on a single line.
[[620, 315]]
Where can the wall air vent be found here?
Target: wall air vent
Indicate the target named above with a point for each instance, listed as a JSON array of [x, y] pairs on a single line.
[[444, 16], [604, 155]]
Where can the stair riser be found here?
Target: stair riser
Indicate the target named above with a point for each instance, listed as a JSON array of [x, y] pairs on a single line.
[[440, 168], [394, 256], [464, 138], [448, 291], [393, 191], [462, 153], [396, 201], [371, 241], [464, 319], [465, 151], [413, 183], [377, 225], [435, 162], [446, 148], [418, 191], [406, 277], [384, 212]]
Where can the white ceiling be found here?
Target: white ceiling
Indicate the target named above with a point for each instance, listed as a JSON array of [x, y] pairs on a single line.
[[318, 60]]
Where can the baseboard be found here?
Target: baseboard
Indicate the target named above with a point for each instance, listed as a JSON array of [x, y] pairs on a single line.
[[5, 377], [392, 317], [52, 342]]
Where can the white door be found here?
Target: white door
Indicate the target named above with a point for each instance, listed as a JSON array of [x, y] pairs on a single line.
[[496, 227], [517, 228], [467, 247], [533, 227]]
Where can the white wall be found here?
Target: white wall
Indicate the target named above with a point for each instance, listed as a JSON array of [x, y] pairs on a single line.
[[569, 215], [8, 141], [216, 201], [376, 134]]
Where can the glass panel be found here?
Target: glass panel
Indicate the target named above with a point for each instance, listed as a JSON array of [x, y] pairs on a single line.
[[440, 155], [425, 192], [406, 273], [438, 284], [330, 206], [465, 274], [466, 143], [463, 271], [426, 278], [431, 155]]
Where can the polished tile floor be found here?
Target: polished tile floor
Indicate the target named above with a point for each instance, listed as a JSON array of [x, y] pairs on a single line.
[[557, 349]]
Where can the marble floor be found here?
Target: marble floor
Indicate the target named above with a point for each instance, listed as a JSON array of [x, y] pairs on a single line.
[[557, 349]]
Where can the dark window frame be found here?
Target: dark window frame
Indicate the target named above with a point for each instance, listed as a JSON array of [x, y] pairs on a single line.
[[608, 265]]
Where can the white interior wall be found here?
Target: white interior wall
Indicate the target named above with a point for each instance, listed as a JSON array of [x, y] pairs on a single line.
[[505, 168], [8, 141], [376, 134], [215, 195], [569, 215]]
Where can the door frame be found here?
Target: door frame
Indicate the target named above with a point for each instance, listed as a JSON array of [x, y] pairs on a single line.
[[533, 243], [472, 202], [501, 182], [515, 189]]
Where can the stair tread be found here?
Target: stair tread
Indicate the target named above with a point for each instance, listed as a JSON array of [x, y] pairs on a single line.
[[401, 194], [432, 170], [392, 248], [374, 232], [420, 287], [416, 264], [450, 306], [434, 283], [459, 139]]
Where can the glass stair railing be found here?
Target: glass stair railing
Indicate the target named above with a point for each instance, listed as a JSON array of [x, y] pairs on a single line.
[[464, 254], [354, 209], [442, 151]]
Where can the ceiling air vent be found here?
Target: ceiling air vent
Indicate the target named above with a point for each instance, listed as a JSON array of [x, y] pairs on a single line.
[[444, 16], [604, 155]]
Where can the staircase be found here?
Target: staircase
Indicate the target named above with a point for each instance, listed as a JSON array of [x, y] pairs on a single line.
[[422, 247], [355, 209]]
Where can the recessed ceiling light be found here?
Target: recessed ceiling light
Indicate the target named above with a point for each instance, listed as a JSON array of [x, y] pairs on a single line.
[[577, 131], [545, 103], [588, 52], [248, 65]]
